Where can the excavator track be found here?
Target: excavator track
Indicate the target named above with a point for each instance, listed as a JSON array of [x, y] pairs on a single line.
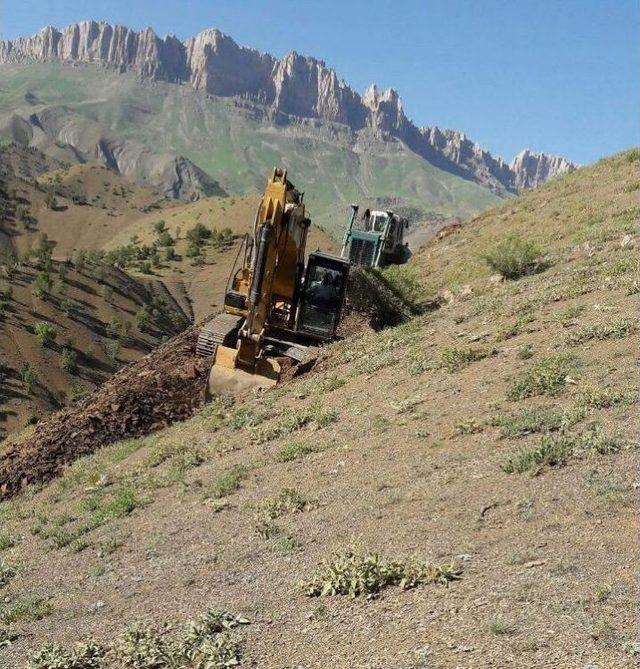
[[223, 329]]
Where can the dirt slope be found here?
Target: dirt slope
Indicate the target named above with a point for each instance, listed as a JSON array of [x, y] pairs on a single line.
[[498, 432]]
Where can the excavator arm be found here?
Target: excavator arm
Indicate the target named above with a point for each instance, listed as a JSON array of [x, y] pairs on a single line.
[[264, 291]]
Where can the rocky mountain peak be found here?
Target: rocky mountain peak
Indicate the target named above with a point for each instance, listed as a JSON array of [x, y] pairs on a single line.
[[296, 85], [531, 169], [385, 109]]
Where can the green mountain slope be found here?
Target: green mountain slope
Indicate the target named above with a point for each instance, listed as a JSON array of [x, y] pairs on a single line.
[[497, 434], [237, 142]]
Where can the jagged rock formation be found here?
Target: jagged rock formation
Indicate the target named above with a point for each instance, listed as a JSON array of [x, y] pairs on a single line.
[[295, 85], [533, 169]]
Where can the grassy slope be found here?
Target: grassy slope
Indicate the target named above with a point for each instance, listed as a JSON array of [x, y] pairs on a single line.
[[399, 454], [232, 143]]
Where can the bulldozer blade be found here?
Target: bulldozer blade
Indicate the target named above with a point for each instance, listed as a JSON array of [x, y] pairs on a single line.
[[227, 379]]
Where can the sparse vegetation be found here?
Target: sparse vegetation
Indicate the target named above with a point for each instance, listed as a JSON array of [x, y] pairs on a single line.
[[546, 376], [313, 414], [528, 421], [7, 541], [45, 332], [25, 610], [603, 397], [354, 574], [205, 643], [69, 361], [619, 329], [228, 482], [556, 449], [288, 501], [455, 359], [293, 451], [7, 572], [29, 377], [515, 257]]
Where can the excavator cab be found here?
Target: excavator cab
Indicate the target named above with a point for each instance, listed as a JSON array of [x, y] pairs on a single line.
[[323, 295]]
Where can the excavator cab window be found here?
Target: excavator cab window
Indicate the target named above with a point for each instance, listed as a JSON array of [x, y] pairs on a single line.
[[321, 302]]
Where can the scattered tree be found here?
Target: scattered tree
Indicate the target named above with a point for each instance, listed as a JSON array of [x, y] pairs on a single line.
[[142, 318], [28, 377], [69, 361]]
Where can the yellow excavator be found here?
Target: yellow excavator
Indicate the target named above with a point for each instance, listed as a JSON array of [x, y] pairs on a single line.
[[276, 306]]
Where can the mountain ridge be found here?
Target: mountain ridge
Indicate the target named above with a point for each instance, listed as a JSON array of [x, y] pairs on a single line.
[[296, 85]]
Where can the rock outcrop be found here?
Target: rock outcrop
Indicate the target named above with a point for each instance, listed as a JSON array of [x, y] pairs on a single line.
[[298, 86]]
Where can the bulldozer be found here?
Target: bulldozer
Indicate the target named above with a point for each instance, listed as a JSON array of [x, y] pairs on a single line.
[[276, 305], [376, 240]]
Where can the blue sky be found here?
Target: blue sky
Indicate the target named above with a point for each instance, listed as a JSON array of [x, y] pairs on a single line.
[[552, 75]]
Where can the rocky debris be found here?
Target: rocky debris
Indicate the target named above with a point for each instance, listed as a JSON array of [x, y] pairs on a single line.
[[166, 386], [299, 86]]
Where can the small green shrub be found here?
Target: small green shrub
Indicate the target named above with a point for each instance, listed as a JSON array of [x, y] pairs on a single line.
[[26, 610], [556, 449], [525, 352], [228, 482], [7, 572], [7, 541], [501, 628], [547, 376], [112, 348], [29, 377], [516, 327], [288, 501], [529, 421], [351, 573], [595, 397], [468, 426], [53, 656], [143, 647], [553, 450], [515, 257], [69, 361], [455, 359], [293, 451], [45, 332], [602, 331]]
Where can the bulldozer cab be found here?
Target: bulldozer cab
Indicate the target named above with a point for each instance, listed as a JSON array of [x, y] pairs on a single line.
[[375, 240], [322, 295]]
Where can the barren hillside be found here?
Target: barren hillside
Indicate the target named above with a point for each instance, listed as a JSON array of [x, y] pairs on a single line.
[[467, 477]]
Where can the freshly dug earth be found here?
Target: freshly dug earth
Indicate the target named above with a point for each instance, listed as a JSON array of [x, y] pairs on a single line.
[[163, 387]]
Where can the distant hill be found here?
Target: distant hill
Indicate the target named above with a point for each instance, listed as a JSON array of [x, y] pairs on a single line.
[[132, 100]]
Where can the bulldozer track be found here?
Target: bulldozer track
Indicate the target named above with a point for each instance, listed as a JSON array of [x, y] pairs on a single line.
[[223, 329]]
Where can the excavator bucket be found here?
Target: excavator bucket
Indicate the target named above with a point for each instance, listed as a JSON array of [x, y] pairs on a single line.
[[227, 379]]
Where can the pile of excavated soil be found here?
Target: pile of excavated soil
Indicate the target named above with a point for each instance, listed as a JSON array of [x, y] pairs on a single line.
[[165, 386]]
